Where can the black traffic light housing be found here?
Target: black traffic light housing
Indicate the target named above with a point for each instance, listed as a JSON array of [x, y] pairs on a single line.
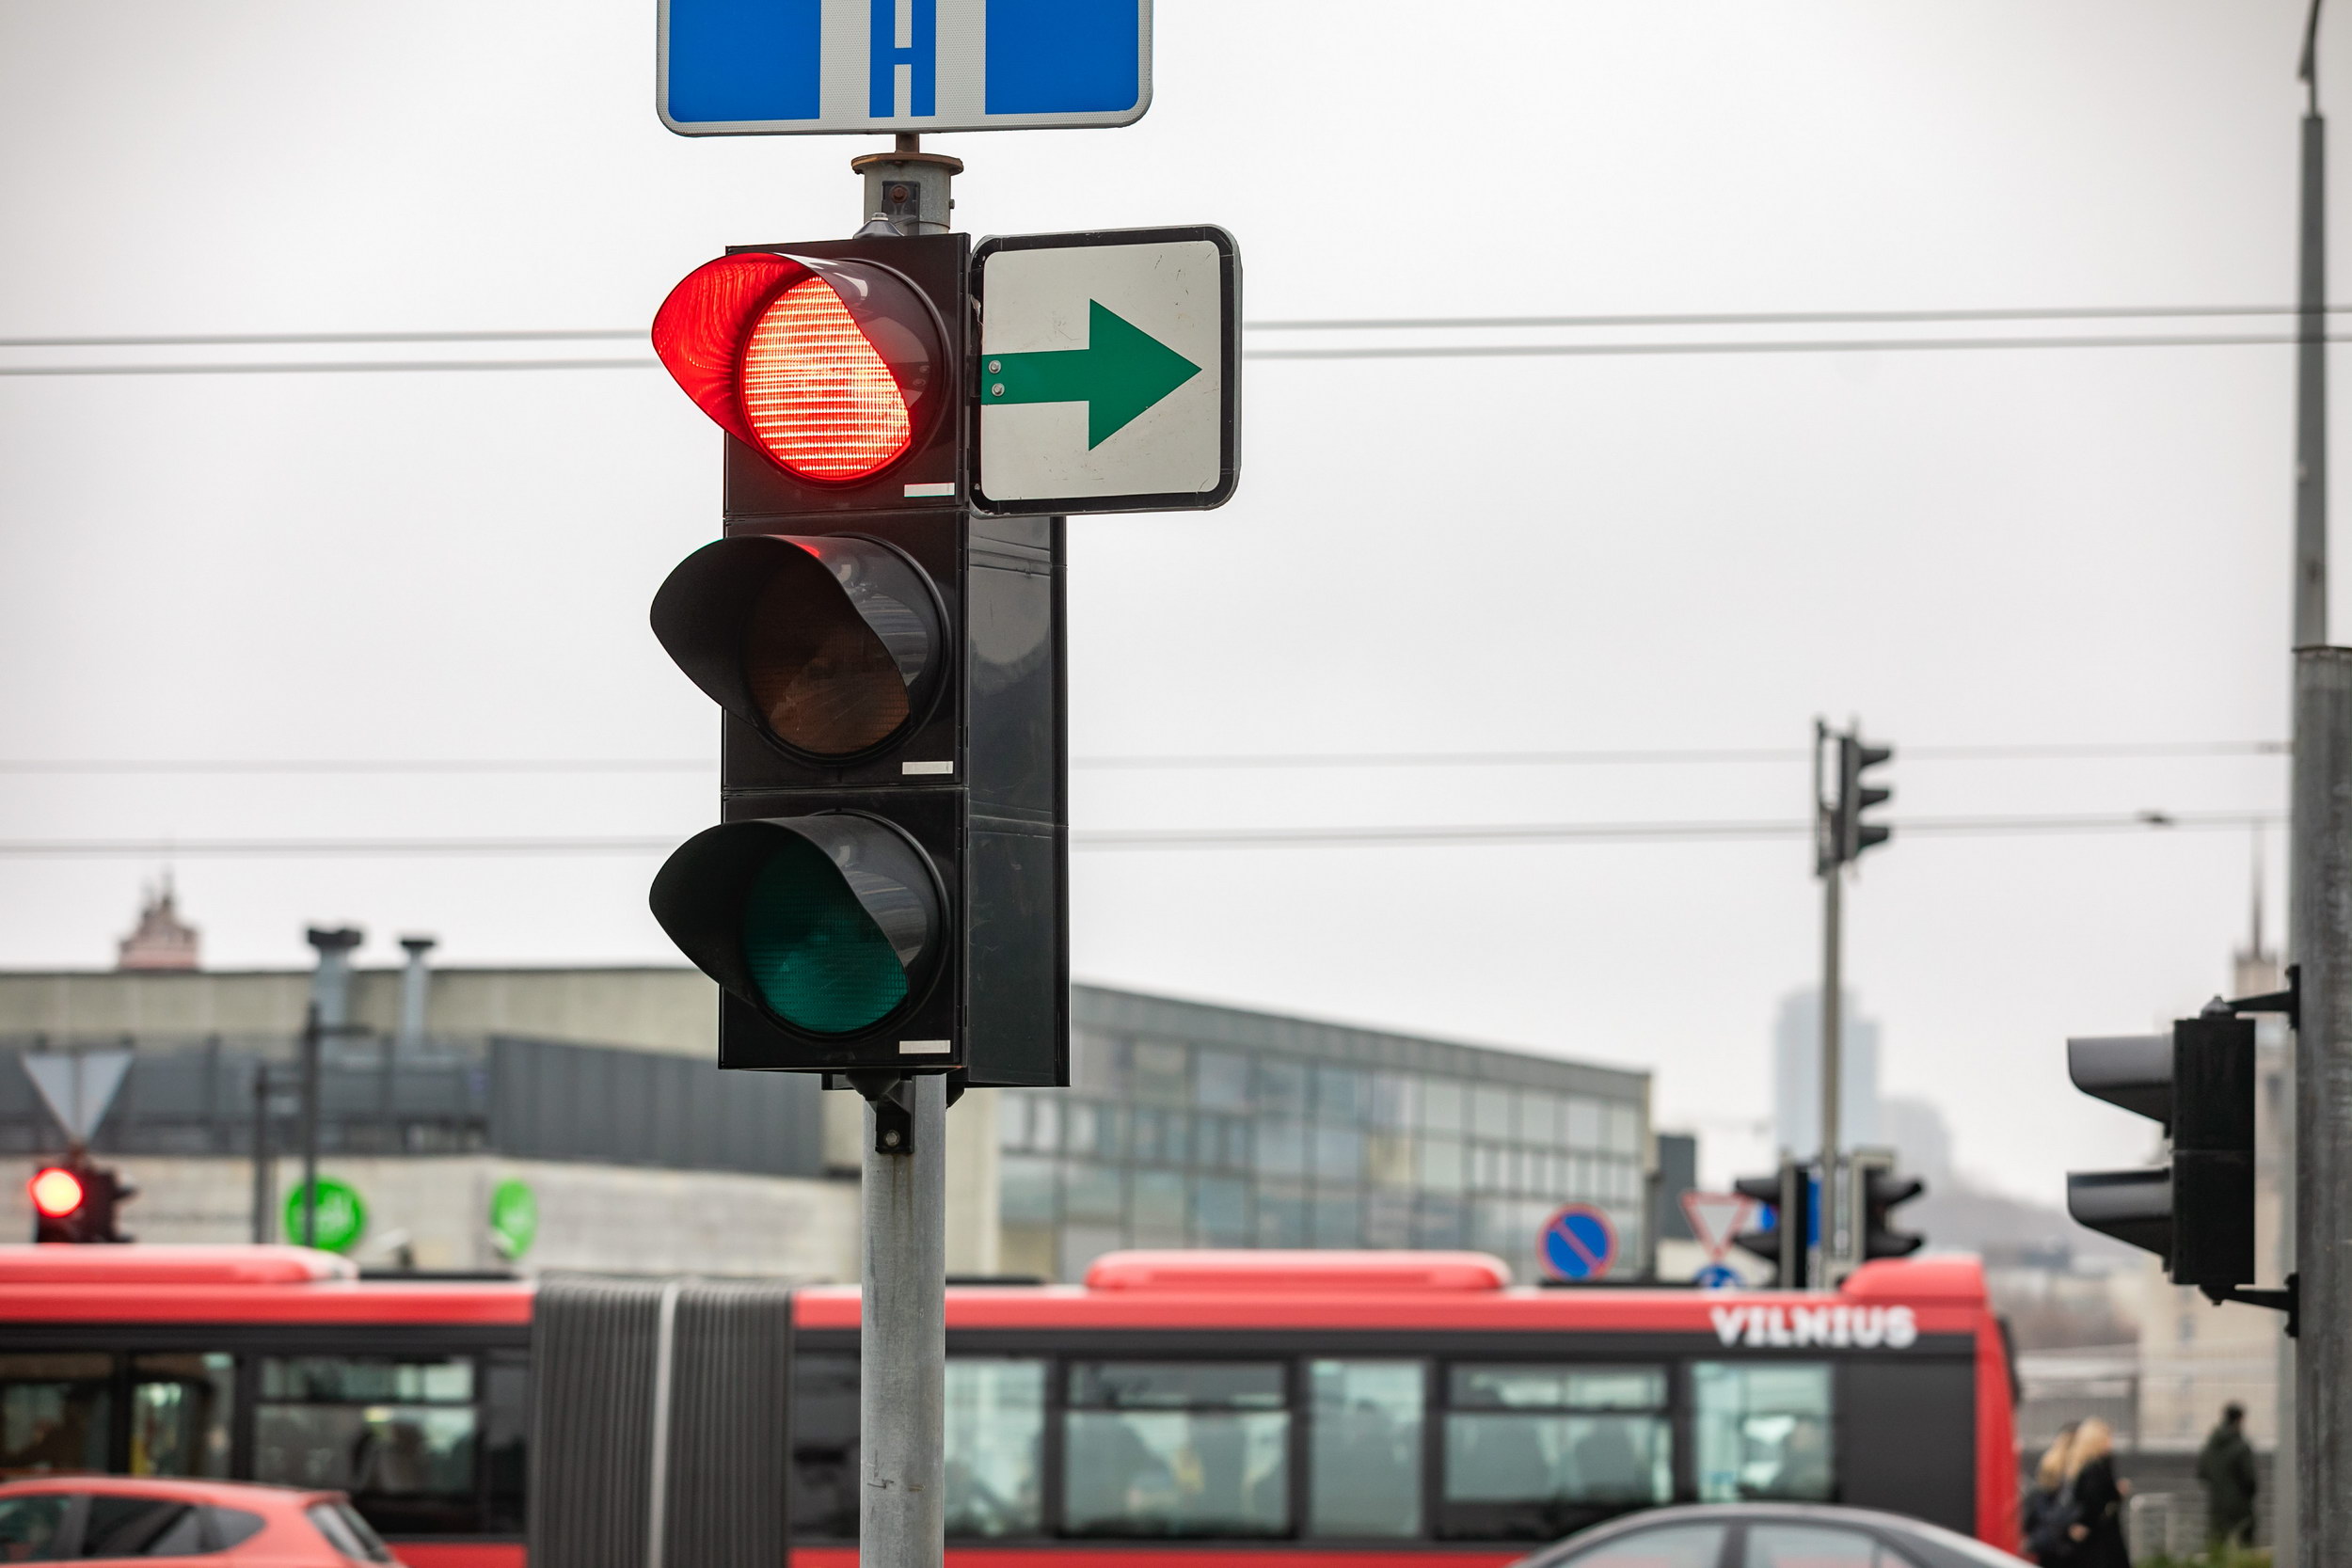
[[95, 1217], [1783, 1236], [2197, 1211], [888, 889], [1880, 1190], [1842, 829]]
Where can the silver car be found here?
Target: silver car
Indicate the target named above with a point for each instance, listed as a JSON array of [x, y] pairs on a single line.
[[1767, 1535]]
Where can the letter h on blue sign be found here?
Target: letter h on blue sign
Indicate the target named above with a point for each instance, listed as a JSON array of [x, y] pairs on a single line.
[[905, 33]]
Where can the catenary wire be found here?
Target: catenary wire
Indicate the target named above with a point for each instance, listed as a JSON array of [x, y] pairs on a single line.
[[1207, 761], [1461, 835]]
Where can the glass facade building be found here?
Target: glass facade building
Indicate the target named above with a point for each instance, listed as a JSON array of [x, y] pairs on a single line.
[[1189, 1125]]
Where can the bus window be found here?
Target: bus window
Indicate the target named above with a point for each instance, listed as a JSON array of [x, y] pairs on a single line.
[[995, 1441], [179, 1410], [57, 1413], [30, 1526], [1534, 1451], [1176, 1448], [1762, 1430], [823, 1426], [1365, 1449], [397, 1432]]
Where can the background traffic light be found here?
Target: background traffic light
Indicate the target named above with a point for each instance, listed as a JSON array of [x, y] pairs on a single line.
[[1783, 1235], [2197, 1211], [1849, 830], [77, 1201], [887, 886], [1880, 1191]]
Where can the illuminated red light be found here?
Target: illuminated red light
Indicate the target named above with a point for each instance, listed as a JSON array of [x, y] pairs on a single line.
[[57, 1192], [820, 400], [769, 347]]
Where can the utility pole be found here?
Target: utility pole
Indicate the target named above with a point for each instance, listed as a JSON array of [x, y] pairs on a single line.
[[311, 1031], [1840, 834], [264, 1189], [902, 1327], [1830, 865], [2310, 631]]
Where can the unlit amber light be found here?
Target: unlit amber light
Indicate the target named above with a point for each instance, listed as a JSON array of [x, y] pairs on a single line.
[[819, 399]]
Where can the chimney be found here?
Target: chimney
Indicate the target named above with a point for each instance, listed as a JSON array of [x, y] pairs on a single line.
[[416, 982], [330, 983]]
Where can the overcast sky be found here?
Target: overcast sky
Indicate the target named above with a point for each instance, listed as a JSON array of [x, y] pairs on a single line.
[[1964, 547]]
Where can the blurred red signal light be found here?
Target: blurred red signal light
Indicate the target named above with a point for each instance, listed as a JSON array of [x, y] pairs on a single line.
[[827, 368], [57, 1192]]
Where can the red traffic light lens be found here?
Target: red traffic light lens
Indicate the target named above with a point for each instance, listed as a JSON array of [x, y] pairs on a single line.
[[827, 366], [57, 1192], [822, 402]]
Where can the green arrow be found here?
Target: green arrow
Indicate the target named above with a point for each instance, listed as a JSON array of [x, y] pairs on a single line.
[[1121, 372]]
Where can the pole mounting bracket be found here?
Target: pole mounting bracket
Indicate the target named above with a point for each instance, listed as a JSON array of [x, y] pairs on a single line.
[[2289, 1001], [2289, 1301], [889, 1094]]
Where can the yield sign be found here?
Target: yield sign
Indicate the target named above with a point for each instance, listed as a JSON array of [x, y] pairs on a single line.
[[1109, 370], [77, 1085], [1716, 1218]]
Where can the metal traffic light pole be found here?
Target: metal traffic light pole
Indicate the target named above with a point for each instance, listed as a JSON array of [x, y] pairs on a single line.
[[1832, 866], [2323, 1107], [902, 1326], [2293, 1540]]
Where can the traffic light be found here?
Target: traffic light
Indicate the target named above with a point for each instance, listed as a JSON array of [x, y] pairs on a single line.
[[2196, 1211], [887, 886], [1880, 1192], [77, 1201], [1784, 1233], [1848, 832]]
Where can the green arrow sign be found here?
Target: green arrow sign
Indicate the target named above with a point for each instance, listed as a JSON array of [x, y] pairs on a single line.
[[1121, 372]]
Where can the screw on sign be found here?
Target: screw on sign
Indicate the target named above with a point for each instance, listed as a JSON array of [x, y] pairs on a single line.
[[1578, 1242]]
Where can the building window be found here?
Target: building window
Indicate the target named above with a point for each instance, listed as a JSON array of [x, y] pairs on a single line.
[[397, 1432], [1625, 1130], [1281, 1214], [1159, 1217], [1396, 1101], [1583, 1123], [1339, 1220], [1092, 1191], [1099, 1064], [1761, 1431], [1025, 1196], [1540, 1118], [1282, 1146], [1339, 1154], [1442, 1106], [1281, 1088], [1442, 1165], [1343, 1095], [1162, 1073], [1364, 1449], [1490, 1111], [1535, 1451], [1221, 1080], [1176, 1449], [995, 1431], [1221, 1211]]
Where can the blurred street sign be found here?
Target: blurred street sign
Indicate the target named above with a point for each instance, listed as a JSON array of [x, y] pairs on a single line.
[[1716, 1218], [1109, 369], [340, 1215], [832, 67], [77, 1085], [1717, 1276], [513, 1218], [1578, 1242]]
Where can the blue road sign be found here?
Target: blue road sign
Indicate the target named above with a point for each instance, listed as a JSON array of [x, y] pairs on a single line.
[[1716, 1277], [734, 67], [1578, 1242]]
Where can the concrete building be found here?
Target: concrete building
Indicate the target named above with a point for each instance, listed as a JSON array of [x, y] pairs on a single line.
[[590, 1090]]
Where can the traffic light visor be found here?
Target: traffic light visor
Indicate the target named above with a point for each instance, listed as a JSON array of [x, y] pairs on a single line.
[[830, 367], [829, 924], [57, 1192], [829, 646]]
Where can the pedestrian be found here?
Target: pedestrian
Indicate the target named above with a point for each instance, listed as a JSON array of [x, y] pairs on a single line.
[[2049, 1512], [2226, 1467], [2098, 1494]]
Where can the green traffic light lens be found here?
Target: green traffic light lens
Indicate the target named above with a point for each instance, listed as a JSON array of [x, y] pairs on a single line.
[[820, 960]]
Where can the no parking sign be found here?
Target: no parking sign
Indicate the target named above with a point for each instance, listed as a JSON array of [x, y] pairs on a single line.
[[1577, 1243]]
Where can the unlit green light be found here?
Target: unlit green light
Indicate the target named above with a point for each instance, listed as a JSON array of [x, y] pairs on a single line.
[[819, 958]]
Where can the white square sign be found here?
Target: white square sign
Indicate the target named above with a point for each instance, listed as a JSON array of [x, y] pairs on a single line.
[[1109, 370]]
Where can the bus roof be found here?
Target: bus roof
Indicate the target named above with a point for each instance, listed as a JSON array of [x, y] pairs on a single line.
[[153, 1282]]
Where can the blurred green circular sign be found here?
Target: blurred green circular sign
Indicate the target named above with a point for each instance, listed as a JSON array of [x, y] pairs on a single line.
[[340, 1217], [513, 1218]]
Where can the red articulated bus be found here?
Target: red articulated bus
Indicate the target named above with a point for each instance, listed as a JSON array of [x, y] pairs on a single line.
[[1178, 1410]]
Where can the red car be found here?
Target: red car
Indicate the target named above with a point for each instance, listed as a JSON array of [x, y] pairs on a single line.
[[202, 1523]]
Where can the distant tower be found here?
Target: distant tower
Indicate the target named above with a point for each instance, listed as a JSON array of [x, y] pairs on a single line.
[[1796, 1076], [161, 939]]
